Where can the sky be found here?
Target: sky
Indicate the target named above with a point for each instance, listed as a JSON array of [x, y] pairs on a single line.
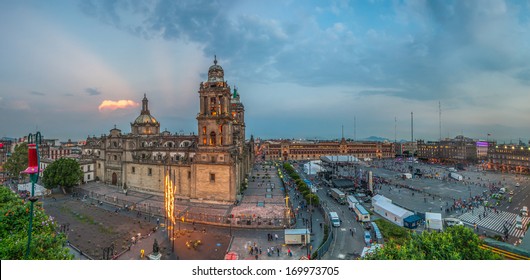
[[304, 69]]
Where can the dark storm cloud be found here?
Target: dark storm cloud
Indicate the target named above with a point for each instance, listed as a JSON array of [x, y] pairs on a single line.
[[422, 48], [92, 91]]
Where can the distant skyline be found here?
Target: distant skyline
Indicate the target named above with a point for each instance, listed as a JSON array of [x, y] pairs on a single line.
[[303, 68]]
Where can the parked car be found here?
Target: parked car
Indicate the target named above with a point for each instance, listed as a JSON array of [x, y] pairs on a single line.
[[367, 238]]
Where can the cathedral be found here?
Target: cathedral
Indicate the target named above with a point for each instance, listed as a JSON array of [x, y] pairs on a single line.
[[209, 166]]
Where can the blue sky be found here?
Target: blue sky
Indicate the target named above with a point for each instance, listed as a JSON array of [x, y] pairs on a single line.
[[303, 68]]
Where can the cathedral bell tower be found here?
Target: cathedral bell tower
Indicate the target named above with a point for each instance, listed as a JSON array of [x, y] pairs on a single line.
[[215, 119], [214, 168]]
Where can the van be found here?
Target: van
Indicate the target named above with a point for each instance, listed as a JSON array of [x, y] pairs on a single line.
[[334, 219], [502, 190], [453, 222], [451, 169], [518, 222], [524, 211]]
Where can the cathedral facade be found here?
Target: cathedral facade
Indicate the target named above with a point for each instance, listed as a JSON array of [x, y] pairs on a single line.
[[209, 166]]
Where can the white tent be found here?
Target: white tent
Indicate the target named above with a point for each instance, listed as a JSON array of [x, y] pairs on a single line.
[[433, 221], [389, 211], [39, 190], [312, 167]]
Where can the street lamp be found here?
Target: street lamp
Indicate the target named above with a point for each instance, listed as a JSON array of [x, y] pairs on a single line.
[[33, 170]]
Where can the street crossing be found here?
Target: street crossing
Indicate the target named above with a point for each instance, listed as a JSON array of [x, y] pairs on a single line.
[[494, 221]]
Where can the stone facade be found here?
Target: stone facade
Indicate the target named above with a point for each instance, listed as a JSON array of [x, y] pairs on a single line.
[[208, 166], [303, 150]]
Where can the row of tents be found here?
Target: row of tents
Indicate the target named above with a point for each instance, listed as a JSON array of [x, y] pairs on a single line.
[[403, 217]]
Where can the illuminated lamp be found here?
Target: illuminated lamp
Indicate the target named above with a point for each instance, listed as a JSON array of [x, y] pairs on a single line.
[[33, 166], [1, 145]]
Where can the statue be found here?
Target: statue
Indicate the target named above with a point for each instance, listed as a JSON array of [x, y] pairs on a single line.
[[155, 247]]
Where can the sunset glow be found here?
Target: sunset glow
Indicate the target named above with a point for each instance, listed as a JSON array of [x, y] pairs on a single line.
[[119, 104]]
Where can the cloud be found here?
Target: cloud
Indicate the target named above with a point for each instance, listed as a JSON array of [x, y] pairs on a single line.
[[424, 50], [37, 93], [119, 104], [93, 91]]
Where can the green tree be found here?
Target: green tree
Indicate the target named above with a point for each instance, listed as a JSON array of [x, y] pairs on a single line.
[[18, 161], [456, 243], [64, 173], [312, 199], [46, 243]]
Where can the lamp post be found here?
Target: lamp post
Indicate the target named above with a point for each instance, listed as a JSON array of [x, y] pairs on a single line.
[[33, 170]]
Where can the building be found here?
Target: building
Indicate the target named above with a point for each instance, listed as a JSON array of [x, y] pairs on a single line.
[[450, 151], [208, 166], [406, 149], [313, 150], [508, 158], [86, 165]]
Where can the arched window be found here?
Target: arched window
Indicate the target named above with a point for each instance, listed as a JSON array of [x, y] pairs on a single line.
[[213, 138], [115, 157]]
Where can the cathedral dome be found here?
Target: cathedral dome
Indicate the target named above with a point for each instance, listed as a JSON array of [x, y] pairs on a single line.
[[145, 116], [145, 119], [216, 72]]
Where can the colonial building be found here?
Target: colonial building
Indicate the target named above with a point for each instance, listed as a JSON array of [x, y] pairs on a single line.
[[210, 165], [509, 158], [304, 150], [451, 151]]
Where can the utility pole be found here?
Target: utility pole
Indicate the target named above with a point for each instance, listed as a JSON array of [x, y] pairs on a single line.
[[354, 129], [440, 119]]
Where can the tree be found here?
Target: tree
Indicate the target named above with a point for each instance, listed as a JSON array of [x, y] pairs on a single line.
[[312, 199], [64, 172], [46, 243], [18, 161], [456, 243]]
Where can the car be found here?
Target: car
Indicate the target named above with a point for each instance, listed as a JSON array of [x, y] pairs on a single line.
[[453, 222], [511, 192], [367, 238]]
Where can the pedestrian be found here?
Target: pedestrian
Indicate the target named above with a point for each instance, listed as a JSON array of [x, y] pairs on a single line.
[[256, 257], [289, 252], [278, 251], [251, 250], [260, 250], [276, 236], [268, 252]]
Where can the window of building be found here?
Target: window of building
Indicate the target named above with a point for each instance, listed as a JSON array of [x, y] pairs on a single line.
[[212, 178], [149, 171], [88, 177], [213, 159], [115, 157], [133, 170], [99, 165], [189, 174]]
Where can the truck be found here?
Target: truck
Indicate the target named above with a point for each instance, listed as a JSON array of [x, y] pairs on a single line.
[[335, 221], [352, 201], [338, 195], [406, 176], [456, 176], [361, 214]]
